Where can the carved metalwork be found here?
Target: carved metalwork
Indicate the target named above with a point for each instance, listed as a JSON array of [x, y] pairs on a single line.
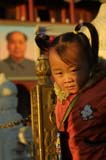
[[42, 113]]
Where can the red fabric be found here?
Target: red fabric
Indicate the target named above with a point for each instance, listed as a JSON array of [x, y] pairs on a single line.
[[86, 123]]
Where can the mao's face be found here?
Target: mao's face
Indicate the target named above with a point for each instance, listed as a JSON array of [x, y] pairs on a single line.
[[17, 46], [69, 77]]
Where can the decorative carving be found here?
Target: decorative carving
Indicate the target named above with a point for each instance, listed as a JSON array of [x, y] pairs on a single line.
[[42, 70], [42, 113]]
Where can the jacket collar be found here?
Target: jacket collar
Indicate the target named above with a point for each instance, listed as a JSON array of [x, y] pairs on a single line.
[[98, 74]]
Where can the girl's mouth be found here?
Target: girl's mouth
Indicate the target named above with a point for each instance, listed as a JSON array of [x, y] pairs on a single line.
[[70, 88]]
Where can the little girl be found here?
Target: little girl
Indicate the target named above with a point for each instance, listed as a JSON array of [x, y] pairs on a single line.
[[80, 82]]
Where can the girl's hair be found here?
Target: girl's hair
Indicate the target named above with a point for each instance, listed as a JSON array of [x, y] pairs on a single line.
[[62, 42]]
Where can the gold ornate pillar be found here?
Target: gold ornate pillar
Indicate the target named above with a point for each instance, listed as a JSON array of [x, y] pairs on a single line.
[[42, 113]]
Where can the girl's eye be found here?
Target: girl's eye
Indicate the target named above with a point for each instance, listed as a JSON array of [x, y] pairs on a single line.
[[74, 70], [58, 73]]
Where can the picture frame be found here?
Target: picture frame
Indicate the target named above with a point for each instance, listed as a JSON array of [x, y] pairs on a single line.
[[32, 52], [28, 28]]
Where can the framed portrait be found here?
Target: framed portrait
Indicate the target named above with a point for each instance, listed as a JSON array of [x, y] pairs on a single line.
[[32, 49], [31, 53]]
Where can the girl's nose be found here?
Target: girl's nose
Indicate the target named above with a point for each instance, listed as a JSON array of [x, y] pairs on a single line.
[[67, 80]]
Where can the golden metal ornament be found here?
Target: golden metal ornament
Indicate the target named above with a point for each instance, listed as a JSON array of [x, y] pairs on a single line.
[[42, 113]]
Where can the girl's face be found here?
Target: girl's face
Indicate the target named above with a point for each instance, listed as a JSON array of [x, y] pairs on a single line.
[[69, 77]]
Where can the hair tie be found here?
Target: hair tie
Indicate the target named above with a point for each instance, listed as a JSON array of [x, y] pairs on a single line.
[[75, 32]]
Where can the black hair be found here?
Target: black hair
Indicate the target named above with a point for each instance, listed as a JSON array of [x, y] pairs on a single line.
[[42, 40], [94, 40], [59, 42], [11, 33]]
